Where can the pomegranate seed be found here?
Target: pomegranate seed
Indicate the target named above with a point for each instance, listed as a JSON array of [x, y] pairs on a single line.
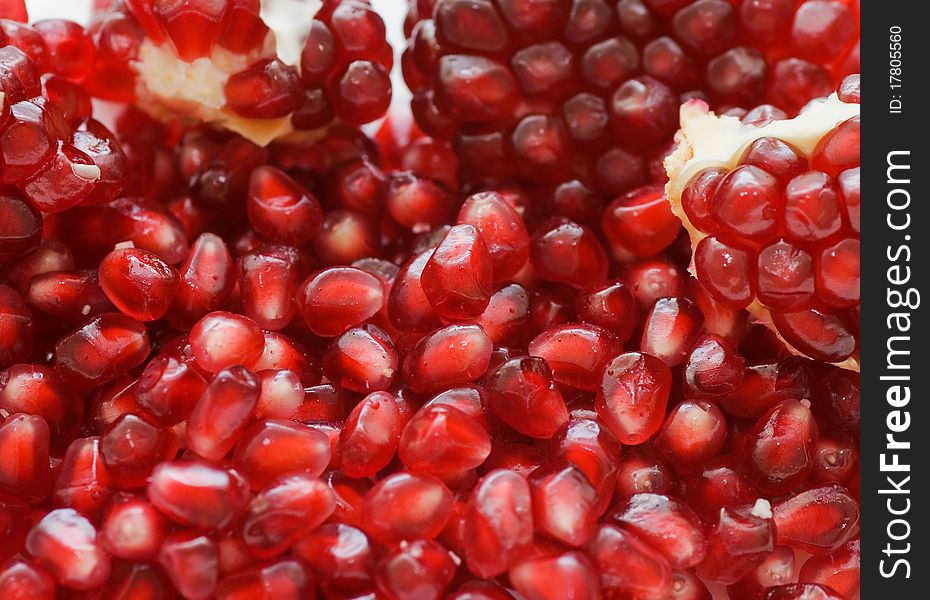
[[266, 90], [835, 460], [104, 348], [447, 357], [498, 523], [670, 330], [444, 441], [592, 448], [83, 482], [340, 554], [406, 506], [632, 396], [457, 277], [69, 295], [138, 283], [339, 298], [766, 385], [819, 520], [36, 389], [523, 394], [16, 328], [718, 484], [191, 562], [777, 569], [780, 447], [281, 352], [132, 447], [667, 525], [565, 252], [549, 578], [507, 315], [611, 306], [627, 565], [421, 568], [222, 412], [563, 503], [801, 591], [21, 228], [133, 530], [268, 279], [207, 280], [24, 450], [169, 388], [280, 209], [271, 448], [737, 541], [639, 223], [285, 511], [713, 369], [197, 494], [726, 271], [577, 353], [20, 580], [501, 228], [369, 437], [65, 543], [416, 202], [839, 571], [222, 340], [27, 142], [693, 433], [408, 306], [285, 579]]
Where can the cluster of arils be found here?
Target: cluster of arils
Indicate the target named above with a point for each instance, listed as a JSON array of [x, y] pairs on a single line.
[[557, 90], [239, 65], [352, 369]]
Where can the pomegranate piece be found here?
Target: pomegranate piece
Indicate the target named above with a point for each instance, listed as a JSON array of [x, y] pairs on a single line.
[[570, 574], [132, 447], [502, 230], [268, 279], [24, 458], [191, 562], [632, 396], [133, 530], [498, 523], [341, 554], [36, 389], [566, 252], [737, 542], [285, 511], [819, 520], [339, 298], [223, 340], [839, 571], [280, 209], [457, 277], [406, 506], [577, 353], [522, 393], [83, 482], [20, 580], [444, 441], [563, 503], [65, 544], [779, 452], [370, 435], [629, 566], [197, 494], [447, 357], [271, 448], [207, 278]]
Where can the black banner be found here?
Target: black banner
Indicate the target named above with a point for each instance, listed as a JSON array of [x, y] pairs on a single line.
[[895, 260]]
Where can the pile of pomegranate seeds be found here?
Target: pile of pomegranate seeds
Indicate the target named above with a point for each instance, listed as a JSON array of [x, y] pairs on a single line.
[[354, 368], [265, 69], [586, 92]]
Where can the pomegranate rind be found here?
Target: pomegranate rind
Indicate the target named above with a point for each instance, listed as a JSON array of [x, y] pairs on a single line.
[[707, 140]]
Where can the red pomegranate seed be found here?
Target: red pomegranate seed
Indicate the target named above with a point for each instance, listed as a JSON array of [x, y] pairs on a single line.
[[268, 280], [627, 565], [457, 277], [727, 272], [835, 459], [507, 315], [266, 90], [408, 306], [498, 523], [20, 580], [16, 328], [640, 223], [447, 357], [802, 591], [746, 204], [27, 141], [565, 252], [222, 340], [339, 298], [198, 494], [406, 506], [24, 456], [281, 395], [713, 369], [20, 226], [418, 568], [104, 348], [563, 503], [281, 352], [776, 157], [595, 451], [207, 280], [282, 513], [522, 393], [839, 571], [780, 447], [271, 448], [443, 440], [191, 562], [138, 283], [819, 520], [83, 482], [737, 542], [718, 484], [133, 530], [693, 433], [502, 229], [777, 569], [65, 544], [280, 209], [670, 330], [369, 437], [132, 447], [611, 306], [69, 295], [632, 396], [667, 525], [169, 388], [222, 412], [576, 353], [362, 359], [340, 554], [36, 389], [285, 579], [551, 578]]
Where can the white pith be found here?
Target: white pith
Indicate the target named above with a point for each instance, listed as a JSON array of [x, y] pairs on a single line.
[[169, 87], [707, 140]]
